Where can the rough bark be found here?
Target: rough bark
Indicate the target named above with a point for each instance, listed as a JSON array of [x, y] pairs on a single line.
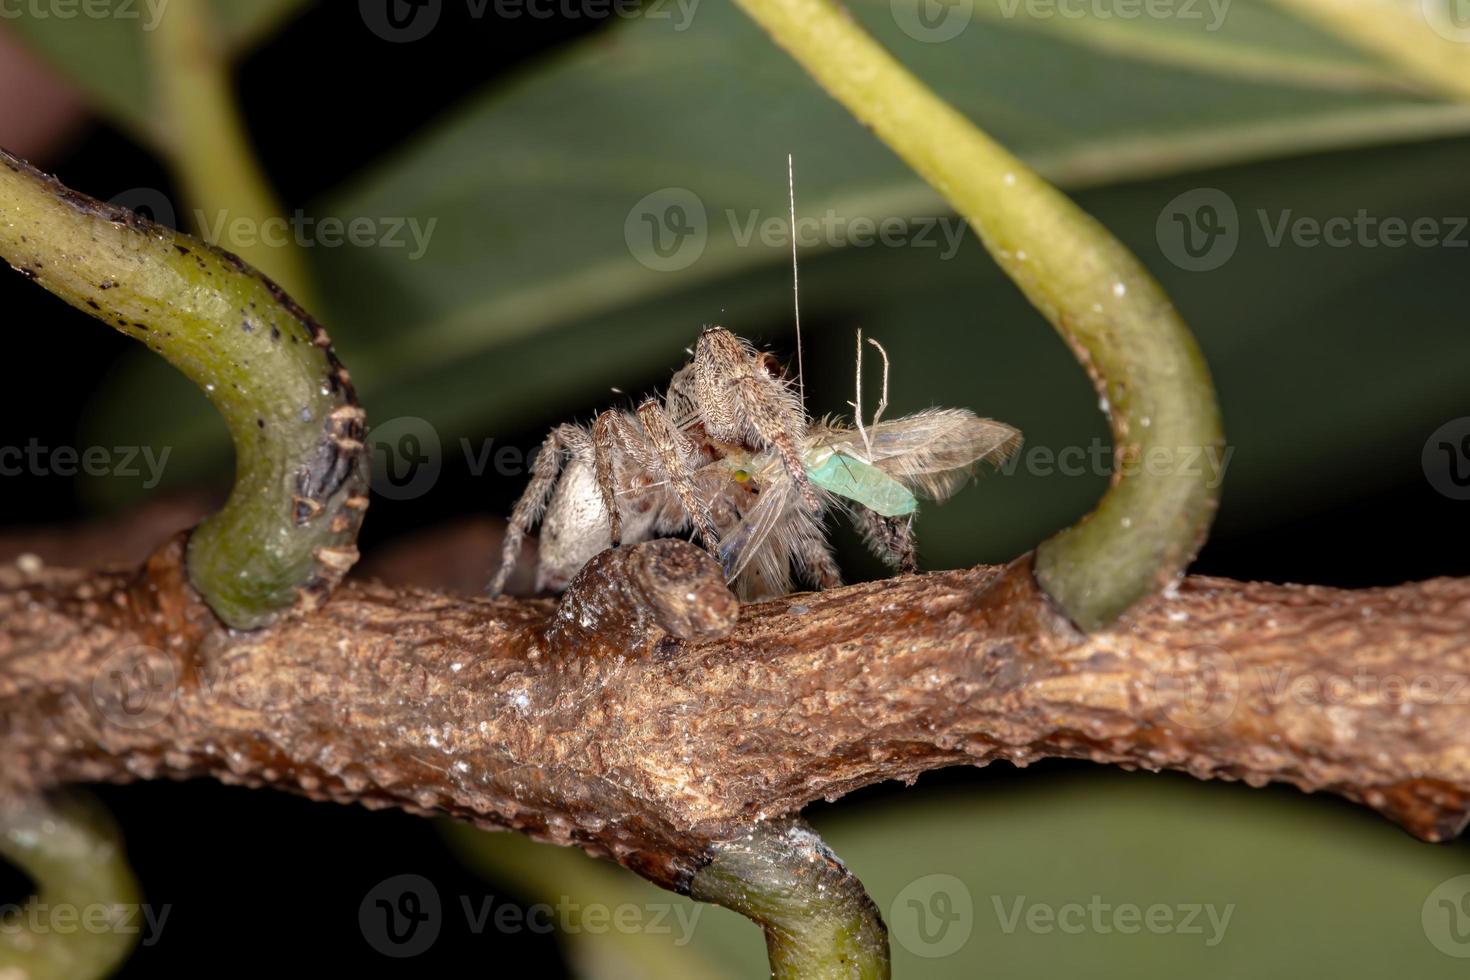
[[642, 719]]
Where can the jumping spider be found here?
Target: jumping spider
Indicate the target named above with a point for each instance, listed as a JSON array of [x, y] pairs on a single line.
[[731, 453]]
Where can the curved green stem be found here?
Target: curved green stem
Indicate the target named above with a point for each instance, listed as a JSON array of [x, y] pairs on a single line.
[[818, 920], [288, 531], [81, 922], [1153, 382]]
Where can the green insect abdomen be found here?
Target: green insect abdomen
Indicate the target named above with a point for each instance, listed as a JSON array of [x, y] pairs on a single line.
[[864, 483]]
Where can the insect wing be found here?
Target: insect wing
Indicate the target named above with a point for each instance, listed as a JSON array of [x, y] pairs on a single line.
[[740, 546], [936, 451]]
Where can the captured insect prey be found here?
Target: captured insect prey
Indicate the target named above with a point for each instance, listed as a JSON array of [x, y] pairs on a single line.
[[730, 455]]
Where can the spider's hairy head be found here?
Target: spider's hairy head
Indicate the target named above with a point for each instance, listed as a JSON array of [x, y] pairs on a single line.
[[715, 340], [725, 348]]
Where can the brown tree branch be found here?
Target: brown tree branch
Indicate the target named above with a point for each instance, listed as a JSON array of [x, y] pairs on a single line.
[[640, 719]]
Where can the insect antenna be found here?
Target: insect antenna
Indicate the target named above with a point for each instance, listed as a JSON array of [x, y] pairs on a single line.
[[857, 404], [883, 400]]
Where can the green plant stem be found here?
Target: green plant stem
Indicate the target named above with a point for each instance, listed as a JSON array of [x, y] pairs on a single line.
[[287, 533], [1400, 33], [72, 853], [1150, 375], [210, 150], [818, 920]]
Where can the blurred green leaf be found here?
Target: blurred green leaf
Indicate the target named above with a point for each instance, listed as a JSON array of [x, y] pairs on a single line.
[[106, 56], [537, 190], [1241, 882], [1251, 39], [529, 298]]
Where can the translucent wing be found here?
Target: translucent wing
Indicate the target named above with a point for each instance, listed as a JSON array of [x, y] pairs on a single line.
[[932, 452], [747, 541]]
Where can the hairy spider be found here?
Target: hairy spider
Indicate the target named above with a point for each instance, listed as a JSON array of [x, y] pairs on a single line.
[[730, 453]]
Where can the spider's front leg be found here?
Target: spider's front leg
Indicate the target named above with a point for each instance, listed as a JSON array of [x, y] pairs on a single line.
[[677, 457], [742, 396], [815, 555], [608, 431], [617, 438], [528, 509]]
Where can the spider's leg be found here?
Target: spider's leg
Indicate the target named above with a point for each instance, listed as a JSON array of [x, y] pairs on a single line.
[[604, 440], [815, 554], [675, 454], [532, 504], [890, 538], [763, 407]]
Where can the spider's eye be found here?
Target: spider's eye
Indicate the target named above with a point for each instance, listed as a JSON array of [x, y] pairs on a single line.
[[772, 367], [742, 477]]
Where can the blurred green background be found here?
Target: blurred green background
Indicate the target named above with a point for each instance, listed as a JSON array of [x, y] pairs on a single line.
[[540, 156]]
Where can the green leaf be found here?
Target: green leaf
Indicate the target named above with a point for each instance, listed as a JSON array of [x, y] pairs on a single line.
[[106, 56], [522, 300], [1250, 39], [1233, 878]]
